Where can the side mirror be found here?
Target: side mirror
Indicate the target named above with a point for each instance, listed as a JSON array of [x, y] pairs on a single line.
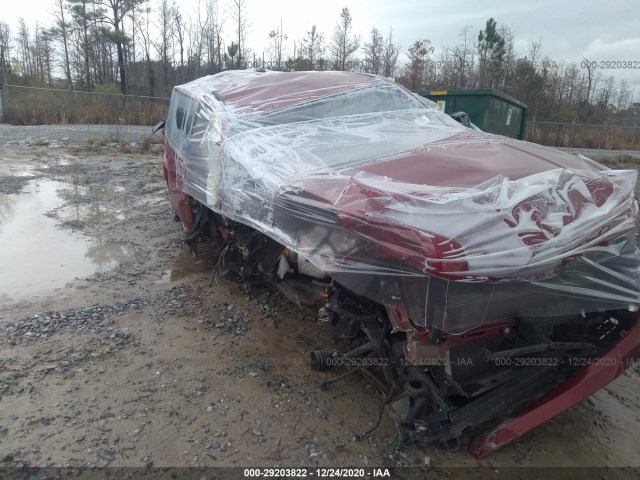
[[159, 126], [463, 118]]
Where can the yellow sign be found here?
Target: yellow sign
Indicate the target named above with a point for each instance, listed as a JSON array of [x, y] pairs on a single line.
[[438, 92]]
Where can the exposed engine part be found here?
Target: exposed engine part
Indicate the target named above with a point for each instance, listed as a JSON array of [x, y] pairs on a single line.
[[477, 376], [436, 386], [305, 267], [321, 359], [283, 267]]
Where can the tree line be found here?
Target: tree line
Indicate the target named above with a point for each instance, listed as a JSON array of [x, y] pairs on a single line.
[[147, 47]]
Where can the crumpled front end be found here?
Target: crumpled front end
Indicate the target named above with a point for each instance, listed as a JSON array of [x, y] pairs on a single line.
[[557, 243]]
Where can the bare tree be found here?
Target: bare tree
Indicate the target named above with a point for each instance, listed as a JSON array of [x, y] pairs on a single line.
[[84, 19], [390, 54], [43, 54], [196, 47], [239, 15], [606, 93], [442, 71], [624, 95], [93, 40], [418, 53], [210, 38], [60, 30], [132, 44], [503, 73], [374, 52], [527, 85], [179, 27], [313, 47], [163, 47], [143, 30], [5, 48], [277, 39], [462, 56], [118, 9], [590, 67], [535, 49], [343, 44], [24, 49]]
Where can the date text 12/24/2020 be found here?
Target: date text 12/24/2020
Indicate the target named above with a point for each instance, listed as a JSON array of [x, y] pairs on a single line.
[[316, 472]]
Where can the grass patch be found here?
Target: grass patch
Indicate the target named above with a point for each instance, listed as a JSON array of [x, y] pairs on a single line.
[[598, 137], [38, 107], [619, 162]]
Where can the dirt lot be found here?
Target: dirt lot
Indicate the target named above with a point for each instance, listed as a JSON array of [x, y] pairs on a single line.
[[119, 350]]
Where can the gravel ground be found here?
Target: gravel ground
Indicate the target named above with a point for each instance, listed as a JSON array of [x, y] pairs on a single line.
[[597, 153], [80, 135], [74, 135], [145, 362]]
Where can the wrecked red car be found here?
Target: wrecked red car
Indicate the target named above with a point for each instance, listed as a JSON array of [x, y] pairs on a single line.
[[472, 277]]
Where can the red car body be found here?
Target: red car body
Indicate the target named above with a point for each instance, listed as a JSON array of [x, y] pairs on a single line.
[[473, 244]]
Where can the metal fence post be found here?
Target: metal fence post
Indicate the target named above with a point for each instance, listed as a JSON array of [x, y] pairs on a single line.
[[69, 103], [533, 131], [3, 97]]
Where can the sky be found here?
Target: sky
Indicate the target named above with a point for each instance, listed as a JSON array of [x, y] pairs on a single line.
[[570, 31]]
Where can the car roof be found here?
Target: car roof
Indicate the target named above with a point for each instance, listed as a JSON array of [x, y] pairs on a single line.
[[251, 91]]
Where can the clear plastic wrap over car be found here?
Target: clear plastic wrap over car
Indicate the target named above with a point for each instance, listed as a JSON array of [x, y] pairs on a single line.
[[301, 168]]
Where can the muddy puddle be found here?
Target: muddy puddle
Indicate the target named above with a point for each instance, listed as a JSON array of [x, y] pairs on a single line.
[[38, 255]]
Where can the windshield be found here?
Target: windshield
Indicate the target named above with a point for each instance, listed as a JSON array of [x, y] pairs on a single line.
[[381, 98], [370, 100]]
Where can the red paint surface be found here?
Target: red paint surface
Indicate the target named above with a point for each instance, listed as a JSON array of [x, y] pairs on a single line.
[[180, 201], [583, 384], [264, 92]]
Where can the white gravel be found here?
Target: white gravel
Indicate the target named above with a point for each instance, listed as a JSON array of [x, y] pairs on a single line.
[[80, 135], [74, 135], [597, 153]]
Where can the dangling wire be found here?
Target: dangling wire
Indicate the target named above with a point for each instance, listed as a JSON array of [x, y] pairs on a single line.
[[216, 267], [361, 436]]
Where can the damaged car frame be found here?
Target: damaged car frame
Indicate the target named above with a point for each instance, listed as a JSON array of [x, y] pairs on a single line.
[[471, 277]]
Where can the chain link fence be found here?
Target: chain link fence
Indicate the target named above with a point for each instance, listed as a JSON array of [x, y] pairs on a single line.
[[578, 135], [3, 97], [26, 105]]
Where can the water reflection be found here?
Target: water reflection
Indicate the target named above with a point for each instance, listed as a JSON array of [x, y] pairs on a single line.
[[106, 255], [36, 256], [6, 208], [91, 203]]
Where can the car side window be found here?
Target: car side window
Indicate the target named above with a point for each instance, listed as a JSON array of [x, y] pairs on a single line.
[[179, 117], [183, 114]]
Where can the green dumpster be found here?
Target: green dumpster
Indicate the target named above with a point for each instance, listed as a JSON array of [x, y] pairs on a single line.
[[488, 109]]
